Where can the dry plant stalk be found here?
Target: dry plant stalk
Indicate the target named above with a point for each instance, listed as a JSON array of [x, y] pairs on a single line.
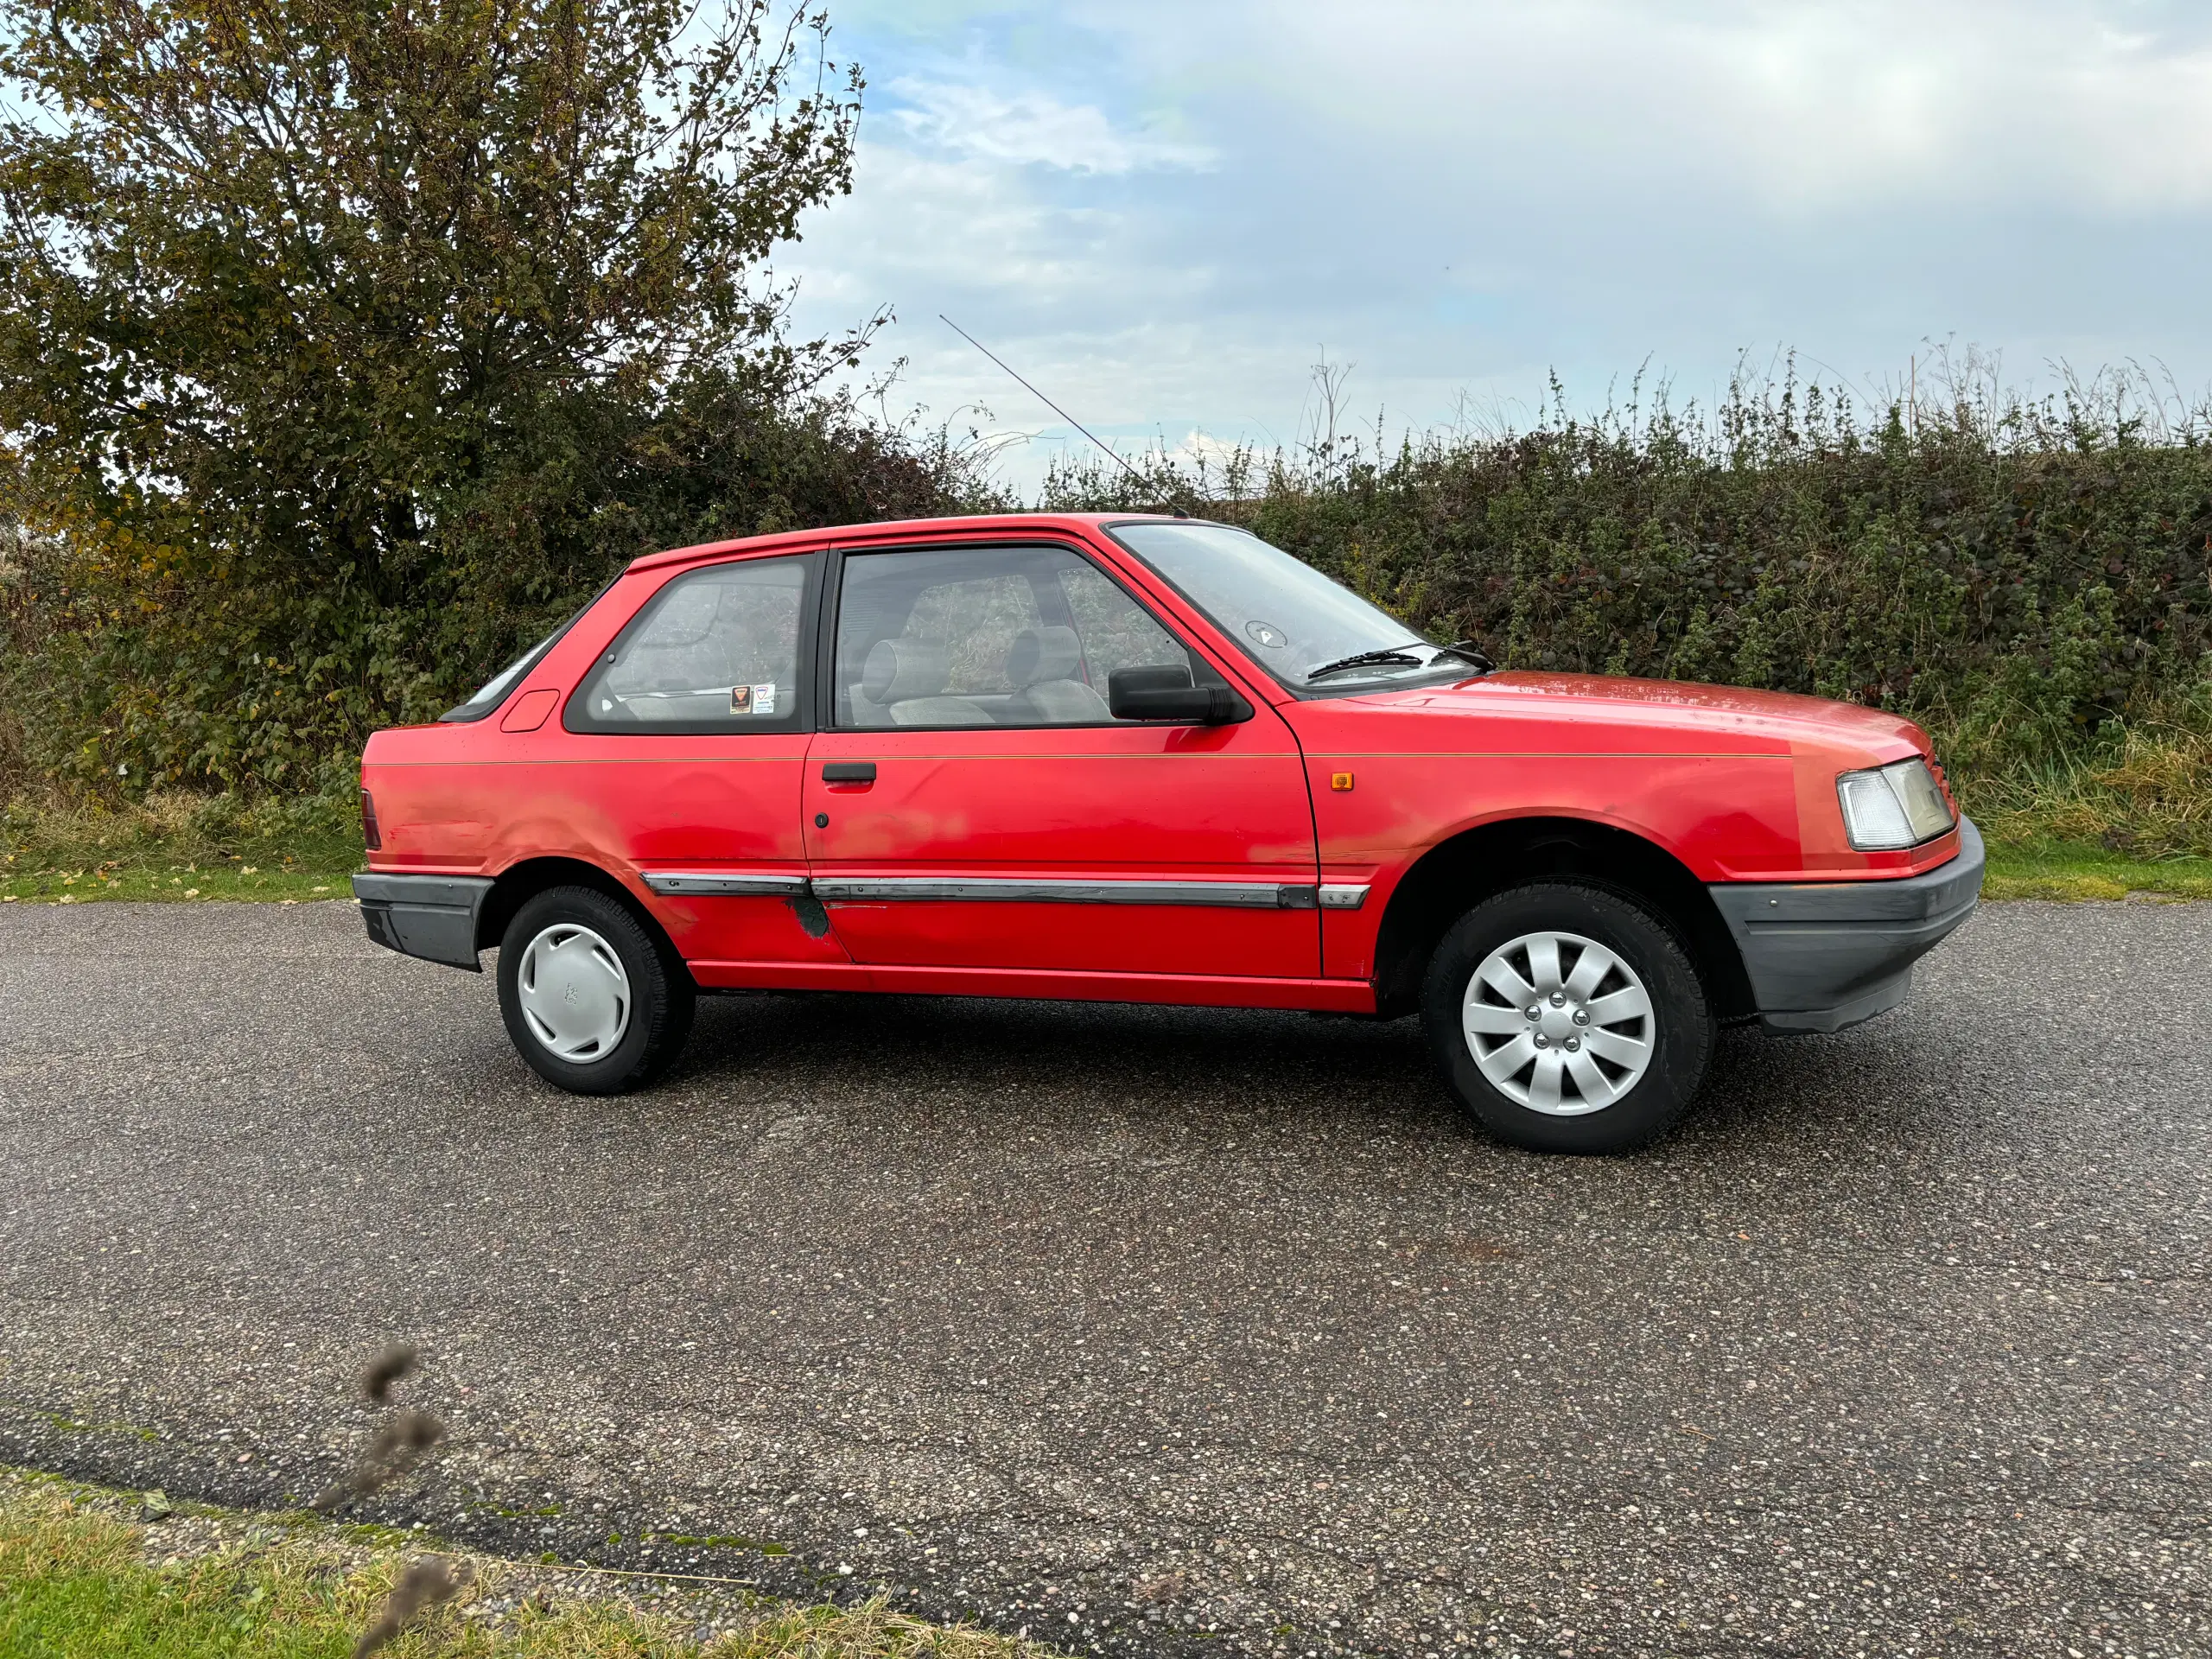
[[424, 1585], [397, 1361], [398, 1445]]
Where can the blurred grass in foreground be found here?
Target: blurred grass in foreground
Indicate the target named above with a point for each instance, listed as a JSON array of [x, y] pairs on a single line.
[[81, 1580]]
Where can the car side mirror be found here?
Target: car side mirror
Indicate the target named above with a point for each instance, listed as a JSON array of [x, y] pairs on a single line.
[[1166, 694]]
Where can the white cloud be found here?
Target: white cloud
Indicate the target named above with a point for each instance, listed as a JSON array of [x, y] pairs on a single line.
[[1030, 128], [1161, 211], [1802, 105]]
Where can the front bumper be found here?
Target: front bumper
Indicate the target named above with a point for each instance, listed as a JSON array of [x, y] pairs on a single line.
[[433, 917], [1824, 955]]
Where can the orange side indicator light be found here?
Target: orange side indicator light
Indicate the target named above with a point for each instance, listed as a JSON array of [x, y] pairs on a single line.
[[1340, 781]]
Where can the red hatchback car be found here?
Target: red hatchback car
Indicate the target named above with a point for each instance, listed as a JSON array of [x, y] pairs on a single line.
[[1149, 759]]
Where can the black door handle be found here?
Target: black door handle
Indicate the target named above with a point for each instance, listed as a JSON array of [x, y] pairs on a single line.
[[849, 772]]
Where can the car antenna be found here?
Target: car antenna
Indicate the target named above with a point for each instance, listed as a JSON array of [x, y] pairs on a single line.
[[1114, 454]]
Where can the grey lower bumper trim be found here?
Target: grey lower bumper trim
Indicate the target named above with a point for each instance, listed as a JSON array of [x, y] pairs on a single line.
[[433, 917], [1879, 999], [1824, 955]]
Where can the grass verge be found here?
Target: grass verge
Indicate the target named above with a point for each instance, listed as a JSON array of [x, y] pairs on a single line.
[[2075, 871], [187, 849], [165, 883], [177, 846], [87, 1571]]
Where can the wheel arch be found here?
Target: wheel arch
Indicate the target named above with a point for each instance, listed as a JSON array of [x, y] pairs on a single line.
[[1460, 872], [518, 884]]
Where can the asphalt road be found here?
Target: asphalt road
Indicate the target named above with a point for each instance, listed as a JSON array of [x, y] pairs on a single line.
[[1155, 1329]]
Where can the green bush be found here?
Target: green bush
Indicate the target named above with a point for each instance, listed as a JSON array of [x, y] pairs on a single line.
[[346, 345], [2028, 579], [306, 424], [118, 678]]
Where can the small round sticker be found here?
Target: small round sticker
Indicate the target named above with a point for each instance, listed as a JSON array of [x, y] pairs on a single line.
[[1272, 639]]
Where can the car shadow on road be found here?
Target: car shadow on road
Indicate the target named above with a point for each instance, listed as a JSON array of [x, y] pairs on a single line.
[[903, 1045], [1006, 1056]]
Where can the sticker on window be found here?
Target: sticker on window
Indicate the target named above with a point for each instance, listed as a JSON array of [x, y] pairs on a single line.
[[764, 698], [741, 700]]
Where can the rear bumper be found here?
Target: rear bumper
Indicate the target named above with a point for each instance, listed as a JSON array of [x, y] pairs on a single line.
[[1825, 954], [433, 917]]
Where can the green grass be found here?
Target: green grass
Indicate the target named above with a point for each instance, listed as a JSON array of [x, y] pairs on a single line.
[[82, 1576], [186, 883], [2135, 816], [2074, 870], [176, 847]]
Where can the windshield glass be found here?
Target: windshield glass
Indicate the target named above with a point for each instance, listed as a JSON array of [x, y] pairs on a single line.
[[495, 690], [1296, 622]]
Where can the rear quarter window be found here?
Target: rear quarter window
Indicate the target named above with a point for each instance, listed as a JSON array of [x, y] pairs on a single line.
[[716, 650]]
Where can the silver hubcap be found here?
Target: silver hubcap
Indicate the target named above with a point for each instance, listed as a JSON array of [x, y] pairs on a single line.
[[574, 996], [1558, 1023]]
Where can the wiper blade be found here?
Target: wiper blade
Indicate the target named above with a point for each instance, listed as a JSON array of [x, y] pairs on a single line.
[[1469, 651], [1390, 656], [1397, 657]]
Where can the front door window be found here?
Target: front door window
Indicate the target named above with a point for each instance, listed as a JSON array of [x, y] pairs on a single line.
[[989, 637]]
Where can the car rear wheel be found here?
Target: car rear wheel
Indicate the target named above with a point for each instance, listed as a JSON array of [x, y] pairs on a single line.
[[1567, 1018], [591, 998]]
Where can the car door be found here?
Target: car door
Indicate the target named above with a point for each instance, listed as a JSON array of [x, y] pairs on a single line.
[[972, 804], [686, 748]]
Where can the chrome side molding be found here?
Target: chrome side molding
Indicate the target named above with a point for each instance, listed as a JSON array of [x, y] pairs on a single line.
[[1015, 890], [776, 887], [1228, 896]]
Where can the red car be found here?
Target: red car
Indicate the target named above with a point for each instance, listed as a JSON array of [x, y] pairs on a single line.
[[1149, 759]]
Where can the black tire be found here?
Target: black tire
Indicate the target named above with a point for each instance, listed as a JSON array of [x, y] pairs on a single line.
[[660, 1001], [1679, 1029]]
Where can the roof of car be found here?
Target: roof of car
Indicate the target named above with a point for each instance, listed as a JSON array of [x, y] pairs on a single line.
[[893, 530]]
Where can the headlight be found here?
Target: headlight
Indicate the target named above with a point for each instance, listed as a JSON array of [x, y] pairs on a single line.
[[1895, 806]]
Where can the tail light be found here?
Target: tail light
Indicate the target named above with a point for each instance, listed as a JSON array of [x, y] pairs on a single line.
[[371, 838]]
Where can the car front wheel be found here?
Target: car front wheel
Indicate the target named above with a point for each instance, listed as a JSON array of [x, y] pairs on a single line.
[[591, 999], [1567, 1018]]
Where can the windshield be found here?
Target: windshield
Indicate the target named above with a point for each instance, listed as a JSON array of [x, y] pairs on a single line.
[[1296, 622]]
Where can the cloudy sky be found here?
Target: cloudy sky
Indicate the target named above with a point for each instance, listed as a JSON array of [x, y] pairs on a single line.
[[1164, 211]]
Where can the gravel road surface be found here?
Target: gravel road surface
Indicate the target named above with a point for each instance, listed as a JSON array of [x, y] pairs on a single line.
[[1154, 1331]]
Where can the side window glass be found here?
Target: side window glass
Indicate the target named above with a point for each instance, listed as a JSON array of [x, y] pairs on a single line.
[[1116, 630], [715, 651], [975, 621], [985, 636]]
